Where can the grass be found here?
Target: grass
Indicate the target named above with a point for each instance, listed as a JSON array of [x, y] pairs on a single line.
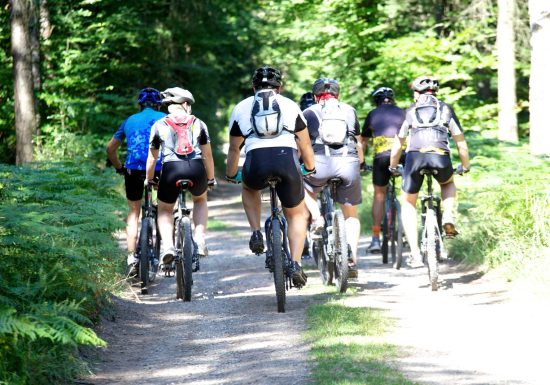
[[348, 348], [215, 225]]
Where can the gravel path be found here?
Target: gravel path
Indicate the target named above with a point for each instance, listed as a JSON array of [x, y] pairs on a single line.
[[475, 330]]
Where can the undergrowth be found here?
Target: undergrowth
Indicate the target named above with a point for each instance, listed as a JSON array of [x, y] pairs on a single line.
[[59, 262]]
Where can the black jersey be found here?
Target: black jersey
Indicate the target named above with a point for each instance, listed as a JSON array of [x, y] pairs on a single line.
[[382, 124]]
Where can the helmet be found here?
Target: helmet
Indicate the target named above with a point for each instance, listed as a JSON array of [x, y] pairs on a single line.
[[425, 83], [382, 94], [306, 100], [177, 95], [266, 77], [149, 96], [326, 86]]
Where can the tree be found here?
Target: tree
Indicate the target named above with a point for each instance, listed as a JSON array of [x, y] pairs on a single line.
[[24, 99], [539, 99], [507, 119]]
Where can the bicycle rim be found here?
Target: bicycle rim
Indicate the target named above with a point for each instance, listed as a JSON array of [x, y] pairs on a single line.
[[321, 257], [431, 252], [187, 258], [340, 252], [179, 264], [384, 246], [144, 254], [278, 271]]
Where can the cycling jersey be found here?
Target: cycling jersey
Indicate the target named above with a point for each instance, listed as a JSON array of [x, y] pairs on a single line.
[[163, 137], [382, 124], [136, 130], [240, 124], [430, 139], [313, 116]]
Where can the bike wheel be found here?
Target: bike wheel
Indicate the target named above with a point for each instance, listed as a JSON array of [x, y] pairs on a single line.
[[340, 252], [278, 271], [179, 264], [431, 248], [187, 258], [320, 255], [384, 246], [400, 232], [392, 231], [145, 235]]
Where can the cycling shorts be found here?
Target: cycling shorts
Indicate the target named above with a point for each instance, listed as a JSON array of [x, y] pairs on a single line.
[[416, 161], [133, 183], [192, 169], [380, 170], [281, 162], [345, 167]]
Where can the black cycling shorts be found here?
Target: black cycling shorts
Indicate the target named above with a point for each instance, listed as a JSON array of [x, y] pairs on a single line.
[[380, 169], [416, 161], [262, 163], [133, 183], [192, 169]]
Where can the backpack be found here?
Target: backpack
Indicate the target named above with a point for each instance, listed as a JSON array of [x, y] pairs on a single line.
[[426, 112], [266, 116], [333, 128], [182, 132]]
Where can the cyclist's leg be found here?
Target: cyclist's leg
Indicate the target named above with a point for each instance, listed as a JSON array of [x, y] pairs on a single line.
[[166, 198], [166, 224], [133, 183], [448, 190], [412, 182], [353, 228], [134, 208], [297, 218], [380, 180]]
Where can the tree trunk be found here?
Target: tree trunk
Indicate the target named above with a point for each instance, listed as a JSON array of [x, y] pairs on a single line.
[[539, 98], [34, 30], [25, 116], [507, 118]]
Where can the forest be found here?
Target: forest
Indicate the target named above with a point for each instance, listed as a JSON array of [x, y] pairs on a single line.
[[70, 71]]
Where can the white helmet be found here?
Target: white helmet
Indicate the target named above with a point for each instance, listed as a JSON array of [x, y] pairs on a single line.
[[177, 95]]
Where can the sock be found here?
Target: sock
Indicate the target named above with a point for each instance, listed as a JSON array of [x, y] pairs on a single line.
[[376, 231]]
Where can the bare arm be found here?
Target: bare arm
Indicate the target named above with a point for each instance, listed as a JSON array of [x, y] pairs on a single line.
[[360, 150], [462, 150], [151, 161], [208, 160], [304, 146], [112, 148], [365, 145], [233, 155], [396, 151]]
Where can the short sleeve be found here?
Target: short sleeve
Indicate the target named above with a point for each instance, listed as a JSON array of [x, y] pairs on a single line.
[[120, 135]]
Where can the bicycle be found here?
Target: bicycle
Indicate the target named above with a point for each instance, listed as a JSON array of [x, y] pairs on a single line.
[[392, 227], [186, 260], [331, 251], [148, 248], [431, 242], [278, 259]]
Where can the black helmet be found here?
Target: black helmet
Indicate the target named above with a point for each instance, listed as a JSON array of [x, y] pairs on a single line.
[[326, 86], [424, 84], [266, 77], [306, 100], [381, 94]]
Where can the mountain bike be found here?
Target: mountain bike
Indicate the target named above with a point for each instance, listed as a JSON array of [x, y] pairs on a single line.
[[186, 259], [278, 259], [148, 248], [431, 242], [392, 227], [331, 251]]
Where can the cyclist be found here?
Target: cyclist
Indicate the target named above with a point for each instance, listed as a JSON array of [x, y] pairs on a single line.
[[272, 128], [136, 130], [381, 125], [334, 134], [307, 100], [428, 122], [184, 142]]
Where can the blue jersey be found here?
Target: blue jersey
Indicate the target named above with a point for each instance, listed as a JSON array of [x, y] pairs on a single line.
[[136, 129]]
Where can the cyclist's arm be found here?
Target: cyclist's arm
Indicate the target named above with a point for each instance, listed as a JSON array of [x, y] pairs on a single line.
[[462, 150], [396, 151], [151, 162], [233, 155], [360, 150], [305, 148], [112, 148], [208, 160]]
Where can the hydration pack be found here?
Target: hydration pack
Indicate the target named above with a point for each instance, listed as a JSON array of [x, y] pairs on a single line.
[[426, 112], [182, 132], [333, 128], [266, 118]]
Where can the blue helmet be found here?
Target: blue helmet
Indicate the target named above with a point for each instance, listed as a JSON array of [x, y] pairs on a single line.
[[306, 100], [149, 97]]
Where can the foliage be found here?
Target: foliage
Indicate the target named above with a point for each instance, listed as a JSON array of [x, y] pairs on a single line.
[[58, 264], [345, 346]]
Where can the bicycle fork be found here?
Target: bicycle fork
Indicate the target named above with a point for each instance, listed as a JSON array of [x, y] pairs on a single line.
[[286, 250]]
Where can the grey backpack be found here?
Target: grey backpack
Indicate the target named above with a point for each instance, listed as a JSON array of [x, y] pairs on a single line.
[[333, 128], [266, 118]]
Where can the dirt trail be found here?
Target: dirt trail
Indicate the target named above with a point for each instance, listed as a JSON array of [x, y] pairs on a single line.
[[473, 331]]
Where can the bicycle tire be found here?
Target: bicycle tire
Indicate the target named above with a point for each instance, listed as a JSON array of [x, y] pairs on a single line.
[[178, 238], [431, 252], [278, 271], [384, 246], [156, 250], [340, 252], [320, 255], [187, 258], [144, 247], [400, 232], [393, 232]]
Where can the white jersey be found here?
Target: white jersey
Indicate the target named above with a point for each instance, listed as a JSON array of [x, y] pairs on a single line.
[[240, 124]]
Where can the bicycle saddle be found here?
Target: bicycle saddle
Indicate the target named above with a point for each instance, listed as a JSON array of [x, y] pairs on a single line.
[[336, 181], [428, 172], [184, 183]]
